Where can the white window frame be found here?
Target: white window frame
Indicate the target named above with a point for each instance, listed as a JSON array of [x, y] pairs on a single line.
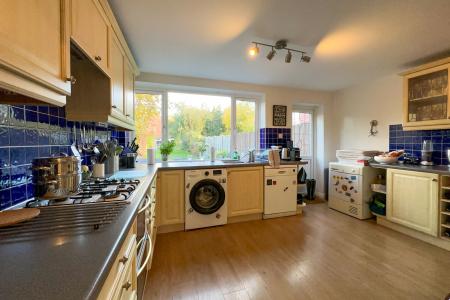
[[164, 90]]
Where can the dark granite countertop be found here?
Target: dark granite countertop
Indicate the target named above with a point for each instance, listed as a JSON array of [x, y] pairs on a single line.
[[440, 169], [76, 266], [66, 266], [189, 165]]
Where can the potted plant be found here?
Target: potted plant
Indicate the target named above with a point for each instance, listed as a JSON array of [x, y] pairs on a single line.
[[166, 148], [202, 147]]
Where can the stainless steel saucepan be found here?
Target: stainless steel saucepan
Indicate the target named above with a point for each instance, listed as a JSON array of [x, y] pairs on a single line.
[[56, 177]]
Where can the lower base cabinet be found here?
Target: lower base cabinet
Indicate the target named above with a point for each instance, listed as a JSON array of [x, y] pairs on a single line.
[[245, 191], [412, 200], [170, 197], [121, 282]]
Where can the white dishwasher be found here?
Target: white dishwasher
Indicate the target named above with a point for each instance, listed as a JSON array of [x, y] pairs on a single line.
[[280, 191]]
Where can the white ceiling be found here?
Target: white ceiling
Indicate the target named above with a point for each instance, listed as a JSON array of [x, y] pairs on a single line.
[[350, 41]]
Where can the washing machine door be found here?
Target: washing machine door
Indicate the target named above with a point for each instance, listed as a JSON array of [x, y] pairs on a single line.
[[207, 196]]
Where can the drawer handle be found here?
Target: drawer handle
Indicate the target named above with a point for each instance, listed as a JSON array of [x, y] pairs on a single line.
[[72, 80], [123, 260], [126, 285], [149, 253], [114, 106], [147, 204], [98, 58], [127, 115], [434, 179]]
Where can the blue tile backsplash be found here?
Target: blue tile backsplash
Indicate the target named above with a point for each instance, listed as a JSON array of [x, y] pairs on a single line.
[[29, 131], [411, 142], [270, 137]]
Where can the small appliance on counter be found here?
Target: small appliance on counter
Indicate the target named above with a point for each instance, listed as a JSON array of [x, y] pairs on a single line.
[[129, 155], [427, 153]]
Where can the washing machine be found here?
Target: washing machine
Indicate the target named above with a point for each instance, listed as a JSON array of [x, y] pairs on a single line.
[[206, 198]]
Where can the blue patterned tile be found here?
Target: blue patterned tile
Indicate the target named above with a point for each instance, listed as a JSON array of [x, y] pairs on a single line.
[[44, 151], [61, 112], [5, 179], [54, 123], [62, 122], [18, 156], [19, 175], [4, 114], [19, 193], [31, 118], [43, 109], [44, 121], [54, 138], [16, 136], [5, 198], [53, 111], [4, 158], [4, 136], [44, 138], [17, 116], [31, 137], [31, 153]]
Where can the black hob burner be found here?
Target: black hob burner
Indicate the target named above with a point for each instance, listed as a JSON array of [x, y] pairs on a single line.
[[92, 191]]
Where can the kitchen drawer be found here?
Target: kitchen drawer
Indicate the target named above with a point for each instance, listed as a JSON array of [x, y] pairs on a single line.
[[124, 260], [126, 285]]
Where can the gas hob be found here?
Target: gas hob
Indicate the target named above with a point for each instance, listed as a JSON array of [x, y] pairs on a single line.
[[94, 191]]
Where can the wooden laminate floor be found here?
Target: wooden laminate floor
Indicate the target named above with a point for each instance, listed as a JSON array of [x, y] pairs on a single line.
[[320, 255]]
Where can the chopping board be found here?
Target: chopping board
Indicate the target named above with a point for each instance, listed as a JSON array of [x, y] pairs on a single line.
[[12, 217]]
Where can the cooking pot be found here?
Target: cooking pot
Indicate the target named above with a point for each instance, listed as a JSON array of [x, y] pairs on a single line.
[[56, 177]]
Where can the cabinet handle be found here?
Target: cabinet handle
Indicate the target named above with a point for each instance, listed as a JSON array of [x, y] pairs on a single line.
[[123, 260], [114, 106], [126, 285], [434, 179], [127, 115], [72, 79], [98, 58]]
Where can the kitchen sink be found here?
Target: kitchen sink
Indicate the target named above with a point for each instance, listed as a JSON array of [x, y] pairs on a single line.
[[232, 161]]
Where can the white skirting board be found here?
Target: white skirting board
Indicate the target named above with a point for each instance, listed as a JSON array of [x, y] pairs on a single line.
[[415, 234]]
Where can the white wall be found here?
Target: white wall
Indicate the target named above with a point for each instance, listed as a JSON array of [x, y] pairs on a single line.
[[355, 107], [321, 101]]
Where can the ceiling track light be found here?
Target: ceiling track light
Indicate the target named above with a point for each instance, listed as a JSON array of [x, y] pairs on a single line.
[[279, 45], [271, 54], [288, 57]]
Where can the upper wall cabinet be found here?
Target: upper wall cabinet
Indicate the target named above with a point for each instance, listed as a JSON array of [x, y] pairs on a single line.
[[129, 91], [426, 99], [34, 49], [90, 30]]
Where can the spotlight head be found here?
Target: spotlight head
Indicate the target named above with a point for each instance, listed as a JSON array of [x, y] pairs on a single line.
[[288, 57], [306, 58], [253, 51], [271, 54]]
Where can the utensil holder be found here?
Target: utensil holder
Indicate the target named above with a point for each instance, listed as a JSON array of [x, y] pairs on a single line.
[[98, 170], [112, 165]]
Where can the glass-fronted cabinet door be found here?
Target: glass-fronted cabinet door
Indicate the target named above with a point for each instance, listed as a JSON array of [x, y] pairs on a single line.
[[426, 98]]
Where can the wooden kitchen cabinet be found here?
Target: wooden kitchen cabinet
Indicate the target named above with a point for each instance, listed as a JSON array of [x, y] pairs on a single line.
[[412, 200], [129, 91], [35, 49], [117, 78], [104, 91], [425, 97], [121, 282], [245, 191], [170, 197], [90, 30]]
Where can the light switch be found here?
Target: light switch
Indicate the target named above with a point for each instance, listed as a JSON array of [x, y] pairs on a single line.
[[280, 135]]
